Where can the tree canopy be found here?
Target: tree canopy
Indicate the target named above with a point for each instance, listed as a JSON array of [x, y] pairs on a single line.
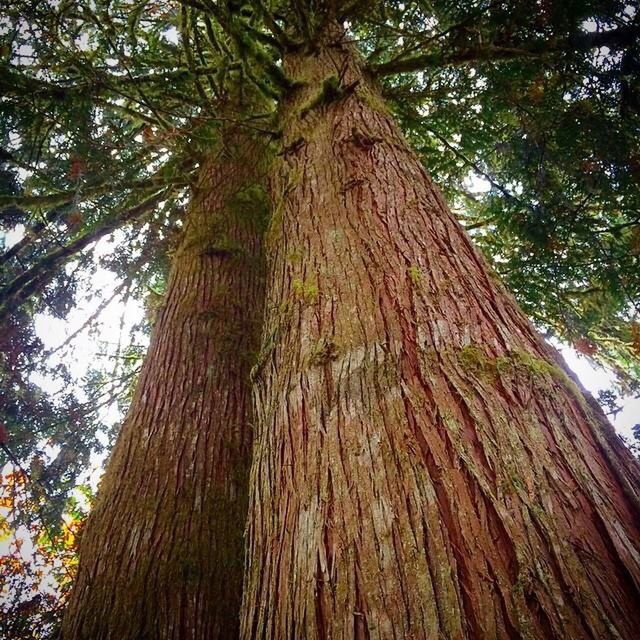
[[527, 114]]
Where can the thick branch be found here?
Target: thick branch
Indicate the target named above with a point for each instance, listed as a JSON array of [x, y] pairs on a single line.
[[32, 232], [66, 197], [16, 84], [616, 38], [34, 279]]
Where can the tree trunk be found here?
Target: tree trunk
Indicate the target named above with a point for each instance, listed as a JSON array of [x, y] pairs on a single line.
[[425, 466], [162, 554]]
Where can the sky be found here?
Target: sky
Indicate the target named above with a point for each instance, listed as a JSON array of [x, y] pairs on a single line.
[[597, 379]]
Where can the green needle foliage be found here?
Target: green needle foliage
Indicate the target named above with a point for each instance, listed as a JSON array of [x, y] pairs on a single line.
[[526, 113], [552, 132]]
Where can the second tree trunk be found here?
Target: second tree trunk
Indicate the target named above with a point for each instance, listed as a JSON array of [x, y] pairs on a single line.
[[162, 554]]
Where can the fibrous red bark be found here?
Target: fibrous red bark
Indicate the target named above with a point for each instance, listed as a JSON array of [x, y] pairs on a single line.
[[425, 466], [162, 553]]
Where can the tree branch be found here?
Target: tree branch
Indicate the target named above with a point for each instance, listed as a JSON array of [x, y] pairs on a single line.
[[66, 197], [623, 36], [34, 279]]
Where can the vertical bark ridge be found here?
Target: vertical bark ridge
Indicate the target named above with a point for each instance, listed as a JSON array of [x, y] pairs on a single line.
[[162, 554], [424, 466]]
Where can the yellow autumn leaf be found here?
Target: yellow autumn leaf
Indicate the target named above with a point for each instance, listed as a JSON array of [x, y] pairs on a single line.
[[5, 529]]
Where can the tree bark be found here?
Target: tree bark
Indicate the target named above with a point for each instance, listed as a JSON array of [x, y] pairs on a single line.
[[162, 553], [425, 465]]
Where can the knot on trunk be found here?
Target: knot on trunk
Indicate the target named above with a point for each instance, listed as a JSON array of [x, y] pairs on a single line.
[[361, 139]]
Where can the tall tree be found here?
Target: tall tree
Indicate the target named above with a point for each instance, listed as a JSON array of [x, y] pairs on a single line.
[[161, 556], [425, 465], [421, 453]]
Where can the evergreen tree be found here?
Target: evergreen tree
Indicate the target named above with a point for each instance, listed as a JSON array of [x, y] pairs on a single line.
[[424, 464]]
